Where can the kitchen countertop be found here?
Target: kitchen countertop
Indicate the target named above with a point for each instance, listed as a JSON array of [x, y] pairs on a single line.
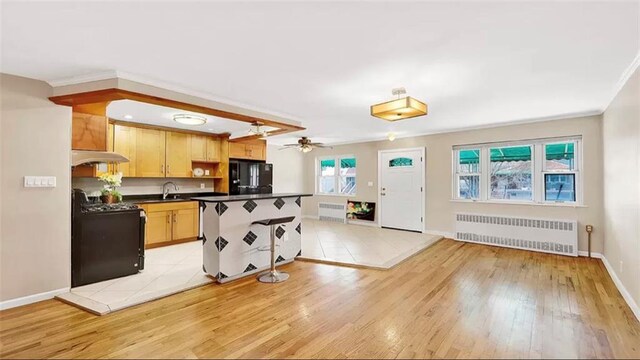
[[230, 198], [176, 197]]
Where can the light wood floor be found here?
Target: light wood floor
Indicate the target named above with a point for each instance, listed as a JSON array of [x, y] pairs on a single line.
[[453, 300]]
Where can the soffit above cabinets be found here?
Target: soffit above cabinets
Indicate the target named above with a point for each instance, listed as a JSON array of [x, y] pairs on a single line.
[[156, 115]]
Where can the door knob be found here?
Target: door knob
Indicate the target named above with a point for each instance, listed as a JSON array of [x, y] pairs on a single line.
[[383, 194]]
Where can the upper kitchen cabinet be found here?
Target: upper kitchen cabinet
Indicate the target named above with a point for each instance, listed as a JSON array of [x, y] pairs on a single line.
[[150, 153], [178, 154], [213, 149], [198, 148], [124, 143], [249, 150], [237, 150], [205, 148], [89, 127]]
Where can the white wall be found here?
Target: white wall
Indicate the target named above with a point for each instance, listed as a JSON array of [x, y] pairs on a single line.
[[621, 142], [288, 169], [440, 209], [35, 232]]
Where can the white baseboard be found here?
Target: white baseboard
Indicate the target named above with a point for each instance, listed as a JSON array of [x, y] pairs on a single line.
[[625, 294], [25, 300], [314, 217], [595, 255], [445, 234]]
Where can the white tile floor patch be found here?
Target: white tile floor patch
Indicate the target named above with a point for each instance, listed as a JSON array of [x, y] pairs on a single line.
[[368, 246], [168, 270]]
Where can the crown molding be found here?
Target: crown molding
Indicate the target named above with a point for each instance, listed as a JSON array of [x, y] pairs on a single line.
[[623, 79], [120, 75], [73, 80]]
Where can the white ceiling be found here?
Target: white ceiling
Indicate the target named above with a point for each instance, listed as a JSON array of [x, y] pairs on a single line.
[[150, 114], [475, 63]]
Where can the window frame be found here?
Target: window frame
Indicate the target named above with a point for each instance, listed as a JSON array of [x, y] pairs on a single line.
[[458, 174], [577, 162], [538, 171], [336, 176]]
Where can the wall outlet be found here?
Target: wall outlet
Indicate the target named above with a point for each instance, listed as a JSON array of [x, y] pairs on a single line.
[[201, 185]]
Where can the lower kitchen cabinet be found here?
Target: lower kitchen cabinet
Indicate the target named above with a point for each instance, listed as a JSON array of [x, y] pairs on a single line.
[[158, 228], [171, 223]]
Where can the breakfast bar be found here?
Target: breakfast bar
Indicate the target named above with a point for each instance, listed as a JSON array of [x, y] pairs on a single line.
[[233, 247]]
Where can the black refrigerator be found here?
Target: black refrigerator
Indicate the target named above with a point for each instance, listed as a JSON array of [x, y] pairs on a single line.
[[250, 177]]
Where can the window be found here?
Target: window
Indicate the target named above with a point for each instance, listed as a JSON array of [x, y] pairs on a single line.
[[401, 162], [535, 171], [559, 172], [511, 170], [468, 174], [336, 175]]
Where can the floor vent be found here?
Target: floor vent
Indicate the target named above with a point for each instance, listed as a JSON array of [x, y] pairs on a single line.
[[544, 235], [333, 212]]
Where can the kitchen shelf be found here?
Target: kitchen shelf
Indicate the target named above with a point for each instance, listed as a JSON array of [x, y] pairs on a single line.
[[206, 161], [208, 177]]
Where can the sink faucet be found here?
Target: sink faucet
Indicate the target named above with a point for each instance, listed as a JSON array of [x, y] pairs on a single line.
[[165, 189]]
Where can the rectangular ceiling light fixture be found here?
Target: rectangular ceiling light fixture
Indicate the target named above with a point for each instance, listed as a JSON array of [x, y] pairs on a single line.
[[399, 109]]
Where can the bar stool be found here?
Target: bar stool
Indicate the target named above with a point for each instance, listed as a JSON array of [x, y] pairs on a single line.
[[273, 276]]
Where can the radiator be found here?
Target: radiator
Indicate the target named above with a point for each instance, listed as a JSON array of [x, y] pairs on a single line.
[[544, 235], [334, 212]]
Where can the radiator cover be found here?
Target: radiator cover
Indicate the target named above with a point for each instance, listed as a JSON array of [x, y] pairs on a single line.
[[334, 212], [544, 235]]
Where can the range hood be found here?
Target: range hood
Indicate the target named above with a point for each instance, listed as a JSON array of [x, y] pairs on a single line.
[[79, 157]]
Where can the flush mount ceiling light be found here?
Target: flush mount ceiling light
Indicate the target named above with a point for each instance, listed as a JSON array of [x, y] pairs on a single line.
[[189, 119], [399, 109], [257, 129]]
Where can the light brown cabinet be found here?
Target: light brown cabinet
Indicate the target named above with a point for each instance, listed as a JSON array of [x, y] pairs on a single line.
[[198, 148], [213, 149], [150, 153], [248, 150], [171, 223], [158, 228], [124, 143], [178, 154], [205, 149]]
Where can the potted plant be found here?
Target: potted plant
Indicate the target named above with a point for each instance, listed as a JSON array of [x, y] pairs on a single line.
[[109, 194]]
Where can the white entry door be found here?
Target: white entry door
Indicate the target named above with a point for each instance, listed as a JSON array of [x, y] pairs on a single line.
[[401, 186]]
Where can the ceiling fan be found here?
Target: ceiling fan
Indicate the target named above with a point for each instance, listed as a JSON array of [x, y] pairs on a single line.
[[305, 145]]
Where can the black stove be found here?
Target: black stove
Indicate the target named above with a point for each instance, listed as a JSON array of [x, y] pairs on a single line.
[[97, 207], [107, 240]]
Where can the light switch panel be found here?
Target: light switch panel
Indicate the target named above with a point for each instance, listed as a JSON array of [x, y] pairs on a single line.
[[39, 181], [370, 183]]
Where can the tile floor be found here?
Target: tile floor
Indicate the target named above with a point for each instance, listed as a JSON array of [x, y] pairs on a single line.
[[167, 270], [360, 245]]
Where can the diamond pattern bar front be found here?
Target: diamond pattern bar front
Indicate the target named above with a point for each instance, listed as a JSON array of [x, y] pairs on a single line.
[[221, 243], [279, 203], [250, 238], [230, 241], [250, 205]]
